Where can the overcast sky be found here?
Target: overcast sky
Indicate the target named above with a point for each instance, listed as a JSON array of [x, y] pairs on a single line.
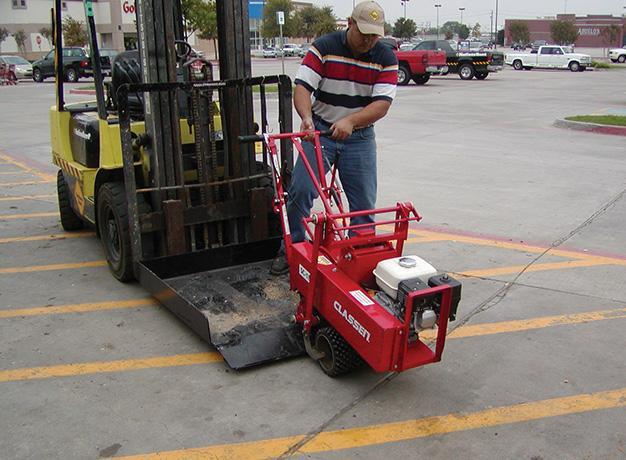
[[479, 10]]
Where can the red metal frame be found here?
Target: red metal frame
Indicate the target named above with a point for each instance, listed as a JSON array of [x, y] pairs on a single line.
[[333, 271]]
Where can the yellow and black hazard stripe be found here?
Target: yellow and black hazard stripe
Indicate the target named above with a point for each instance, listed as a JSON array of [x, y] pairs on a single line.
[[67, 167]]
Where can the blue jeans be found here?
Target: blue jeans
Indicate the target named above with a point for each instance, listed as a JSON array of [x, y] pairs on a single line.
[[356, 166]]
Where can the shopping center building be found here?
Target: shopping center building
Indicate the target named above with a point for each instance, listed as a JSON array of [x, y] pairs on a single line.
[[590, 29]]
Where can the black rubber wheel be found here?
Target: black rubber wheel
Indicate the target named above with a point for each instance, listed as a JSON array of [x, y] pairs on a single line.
[[574, 66], [466, 72], [621, 59], [71, 75], [113, 229], [481, 75], [340, 356], [37, 75], [517, 65], [69, 219], [404, 75], [421, 79]]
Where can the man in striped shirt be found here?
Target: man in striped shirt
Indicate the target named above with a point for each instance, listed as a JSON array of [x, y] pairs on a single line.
[[346, 83]]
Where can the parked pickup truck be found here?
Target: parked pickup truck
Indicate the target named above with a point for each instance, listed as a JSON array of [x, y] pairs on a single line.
[[549, 57], [467, 64], [618, 55], [419, 65]]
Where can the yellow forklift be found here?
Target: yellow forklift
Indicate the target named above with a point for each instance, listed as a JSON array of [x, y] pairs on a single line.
[[155, 165]]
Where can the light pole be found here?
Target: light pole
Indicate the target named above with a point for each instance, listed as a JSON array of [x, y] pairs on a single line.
[[404, 4], [495, 42], [461, 10], [438, 6]]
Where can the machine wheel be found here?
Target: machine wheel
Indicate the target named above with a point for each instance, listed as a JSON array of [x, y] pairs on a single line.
[[481, 75], [403, 75], [517, 64], [113, 228], [421, 79], [37, 75], [69, 219], [466, 72], [340, 356], [621, 59], [574, 66]]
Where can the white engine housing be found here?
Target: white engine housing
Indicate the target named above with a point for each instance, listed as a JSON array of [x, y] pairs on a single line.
[[389, 273]]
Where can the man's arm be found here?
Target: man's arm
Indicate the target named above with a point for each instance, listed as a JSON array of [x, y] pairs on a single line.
[[302, 103], [370, 114]]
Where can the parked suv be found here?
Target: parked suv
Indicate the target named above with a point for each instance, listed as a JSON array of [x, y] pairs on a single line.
[[75, 65], [291, 49]]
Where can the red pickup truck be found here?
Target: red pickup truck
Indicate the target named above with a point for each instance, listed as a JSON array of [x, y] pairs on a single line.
[[419, 65]]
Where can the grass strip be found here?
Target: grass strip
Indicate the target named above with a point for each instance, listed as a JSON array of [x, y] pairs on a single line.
[[613, 120]]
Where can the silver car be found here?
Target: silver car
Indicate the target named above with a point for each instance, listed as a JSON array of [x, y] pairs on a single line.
[[23, 68]]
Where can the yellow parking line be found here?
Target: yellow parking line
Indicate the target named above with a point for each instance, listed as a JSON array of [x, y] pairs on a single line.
[[27, 216], [534, 268], [10, 160], [44, 268], [65, 370], [63, 236], [129, 365], [78, 308], [380, 434], [26, 197], [29, 182], [501, 327], [510, 245]]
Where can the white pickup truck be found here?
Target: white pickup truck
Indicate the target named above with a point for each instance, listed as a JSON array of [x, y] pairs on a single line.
[[549, 57], [618, 55]]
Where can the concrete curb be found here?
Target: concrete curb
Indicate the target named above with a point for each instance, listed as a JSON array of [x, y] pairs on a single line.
[[591, 127], [83, 91]]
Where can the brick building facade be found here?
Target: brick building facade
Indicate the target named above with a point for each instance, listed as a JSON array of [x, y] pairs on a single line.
[[589, 27]]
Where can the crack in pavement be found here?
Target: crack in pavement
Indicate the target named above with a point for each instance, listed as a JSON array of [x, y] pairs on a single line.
[[485, 305]]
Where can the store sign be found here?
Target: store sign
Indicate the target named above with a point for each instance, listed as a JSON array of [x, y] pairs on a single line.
[[128, 7], [589, 31]]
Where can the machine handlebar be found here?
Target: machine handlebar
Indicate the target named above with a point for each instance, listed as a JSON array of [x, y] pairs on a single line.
[[259, 137]]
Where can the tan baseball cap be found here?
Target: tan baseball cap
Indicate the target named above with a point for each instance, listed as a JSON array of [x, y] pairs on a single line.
[[370, 18]]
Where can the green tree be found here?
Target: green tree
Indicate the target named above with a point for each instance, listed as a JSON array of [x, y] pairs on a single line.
[[388, 28], [518, 32], [201, 18], [74, 32], [464, 32], [404, 28], [20, 40], [313, 21], [4, 34], [46, 32], [270, 28], [563, 32], [448, 34], [450, 28], [610, 34], [476, 30]]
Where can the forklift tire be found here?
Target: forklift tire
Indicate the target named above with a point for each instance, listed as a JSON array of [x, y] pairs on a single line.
[[114, 232], [340, 358], [69, 219]]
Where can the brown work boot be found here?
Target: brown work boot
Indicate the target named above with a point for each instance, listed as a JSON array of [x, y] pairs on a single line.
[[280, 266]]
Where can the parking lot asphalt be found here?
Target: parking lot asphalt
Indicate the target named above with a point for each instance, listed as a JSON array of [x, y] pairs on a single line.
[[529, 216]]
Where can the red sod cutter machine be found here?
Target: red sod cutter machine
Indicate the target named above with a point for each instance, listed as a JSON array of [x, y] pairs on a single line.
[[361, 299]]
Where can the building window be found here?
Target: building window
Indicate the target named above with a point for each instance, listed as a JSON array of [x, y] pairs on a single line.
[[19, 4]]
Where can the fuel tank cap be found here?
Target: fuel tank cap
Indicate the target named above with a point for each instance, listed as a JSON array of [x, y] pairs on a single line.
[[407, 262]]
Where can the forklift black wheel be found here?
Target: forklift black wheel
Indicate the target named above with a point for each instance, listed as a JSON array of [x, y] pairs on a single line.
[[69, 219], [113, 228], [340, 358]]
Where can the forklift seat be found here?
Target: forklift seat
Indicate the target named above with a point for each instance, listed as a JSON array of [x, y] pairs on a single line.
[[126, 69]]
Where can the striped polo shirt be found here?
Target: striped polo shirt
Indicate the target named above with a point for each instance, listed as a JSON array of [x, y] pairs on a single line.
[[343, 84]]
